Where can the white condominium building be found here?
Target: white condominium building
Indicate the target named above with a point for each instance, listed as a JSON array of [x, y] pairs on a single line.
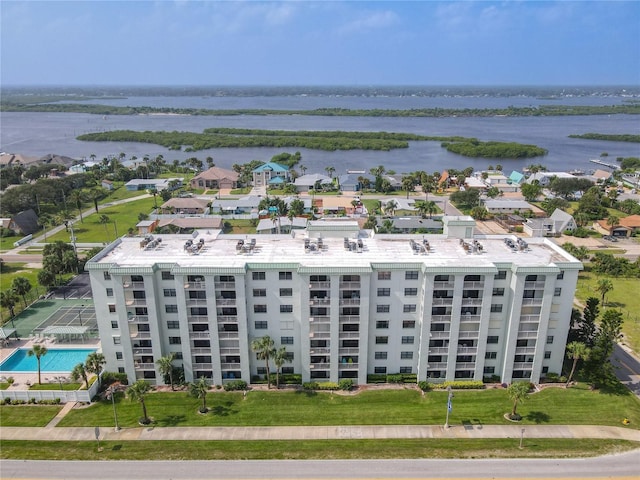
[[343, 302]]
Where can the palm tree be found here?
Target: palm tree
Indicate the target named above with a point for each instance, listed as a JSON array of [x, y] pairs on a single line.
[[431, 208], [77, 197], [275, 218], [390, 207], [517, 392], [407, 184], [165, 367], [94, 363], [8, 300], [264, 348], [302, 168], [21, 286], [330, 170], [603, 287], [37, 351], [137, 393], [104, 220], [280, 357], [200, 389], [576, 351], [428, 185], [612, 221], [80, 372]]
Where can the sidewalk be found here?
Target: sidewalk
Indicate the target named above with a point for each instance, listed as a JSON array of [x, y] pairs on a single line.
[[321, 432]]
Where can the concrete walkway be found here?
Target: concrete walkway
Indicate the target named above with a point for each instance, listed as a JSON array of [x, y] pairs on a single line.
[[320, 432]]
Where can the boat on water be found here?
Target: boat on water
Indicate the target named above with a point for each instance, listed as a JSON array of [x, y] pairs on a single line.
[[577, 172]]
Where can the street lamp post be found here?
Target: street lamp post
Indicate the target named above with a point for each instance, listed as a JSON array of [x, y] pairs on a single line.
[[112, 393], [80, 313], [449, 397], [521, 437]]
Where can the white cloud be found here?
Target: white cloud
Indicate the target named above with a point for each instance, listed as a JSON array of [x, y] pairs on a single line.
[[370, 21]]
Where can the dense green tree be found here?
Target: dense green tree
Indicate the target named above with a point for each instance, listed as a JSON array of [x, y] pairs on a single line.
[[531, 191], [94, 363], [8, 301], [466, 198], [22, 286]]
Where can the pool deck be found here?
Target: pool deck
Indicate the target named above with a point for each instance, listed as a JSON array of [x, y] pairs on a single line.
[[24, 380]]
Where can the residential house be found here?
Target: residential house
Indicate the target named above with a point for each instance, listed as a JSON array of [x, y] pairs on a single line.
[[157, 184], [270, 174], [237, 206], [25, 222], [559, 222], [216, 178], [269, 226], [185, 206], [632, 222], [615, 230], [311, 181]]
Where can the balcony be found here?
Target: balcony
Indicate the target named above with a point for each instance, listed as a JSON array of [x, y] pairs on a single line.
[[527, 334], [224, 285], [469, 318], [227, 335], [468, 334], [529, 318], [319, 366], [522, 365], [133, 285], [437, 366], [349, 335], [227, 318], [528, 285], [467, 350], [435, 350], [199, 334], [321, 319], [320, 335], [440, 334], [468, 301], [473, 285], [195, 302], [349, 318], [135, 302], [320, 351], [525, 350], [465, 365], [440, 318], [197, 319], [319, 301], [140, 335], [144, 366], [348, 351], [142, 351], [202, 366], [229, 351], [195, 350], [195, 285], [319, 285], [347, 366], [532, 301], [138, 319], [443, 285], [225, 301], [349, 285], [230, 366], [349, 301], [442, 301]]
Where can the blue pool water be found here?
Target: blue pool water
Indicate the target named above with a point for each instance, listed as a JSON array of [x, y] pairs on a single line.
[[55, 360]]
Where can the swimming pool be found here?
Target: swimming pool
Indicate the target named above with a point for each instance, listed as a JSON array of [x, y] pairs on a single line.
[[55, 360]]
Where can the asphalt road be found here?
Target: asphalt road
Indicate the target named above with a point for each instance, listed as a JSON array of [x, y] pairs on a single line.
[[627, 368], [622, 466]]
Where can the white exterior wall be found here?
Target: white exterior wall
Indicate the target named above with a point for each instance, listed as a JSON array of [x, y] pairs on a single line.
[[444, 342]]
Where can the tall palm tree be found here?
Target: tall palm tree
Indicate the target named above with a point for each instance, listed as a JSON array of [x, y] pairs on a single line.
[[138, 393], [280, 357], [80, 372], [407, 184], [8, 300], [22, 286], [576, 351], [603, 287], [517, 392], [264, 348], [77, 197], [37, 351], [199, 389], [390, 207], [104, 220], [431, 208], [94, 363], [165, 367], [330, 170], [302, 168]]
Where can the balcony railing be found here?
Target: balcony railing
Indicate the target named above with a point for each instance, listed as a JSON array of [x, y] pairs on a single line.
[[195, 350], [473, 285], [530, 318], [443, 285], [440, 318], [320, 335], [437, 365], [227, 319], [229, 351], [230, 366], [348, 351], [532, 301], [468, 334], [442, 301], [434, 350], [225, 301], [202, 366], [471, 301], [522, 365], [320, 301], [197, 319], [206, 334], [527, 334], [319, 366], [354, 285], [440, 334], [144, 366], [142, 351], [349, 335], [320, 350], [319, 319], [193, 302], [319, 285], [224, 285], [469, 318], [525, 350], [349, 301], [349, 318], [138, 319], [347, 366], [534, 284], [195, 285], [226, 335], [133, 285], [469, 350], [135, 302], [140, 335], [465, 365]]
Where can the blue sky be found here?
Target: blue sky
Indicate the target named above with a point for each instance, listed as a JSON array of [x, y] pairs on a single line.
[[319, 43]]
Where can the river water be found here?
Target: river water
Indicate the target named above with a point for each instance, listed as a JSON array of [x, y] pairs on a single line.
[[38, 134]]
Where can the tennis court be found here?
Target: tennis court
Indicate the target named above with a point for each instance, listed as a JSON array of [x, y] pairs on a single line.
[[78, 319]]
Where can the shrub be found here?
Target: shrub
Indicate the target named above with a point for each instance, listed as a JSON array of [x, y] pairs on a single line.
[[345, 384], [291, 379], [424, 385], [310, 385], [394, 378], [109, 378], [376, 378], [459, 385], [327, 386], [235, 385]]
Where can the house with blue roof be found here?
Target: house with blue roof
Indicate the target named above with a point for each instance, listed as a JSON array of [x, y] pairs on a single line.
[[515, 177], [271, 173]]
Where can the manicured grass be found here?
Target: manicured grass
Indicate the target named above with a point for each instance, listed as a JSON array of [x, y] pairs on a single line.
[[27, 415], [557, 406], [122, 217], [239, 226], [620, 297], [55, 386], [312, 449], [4, 385], [240, 191]]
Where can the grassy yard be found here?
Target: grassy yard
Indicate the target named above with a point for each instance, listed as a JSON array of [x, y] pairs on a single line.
[[121, 218], [620, 297], [577, 405], [27, 415], [312, 449], [240, 226]]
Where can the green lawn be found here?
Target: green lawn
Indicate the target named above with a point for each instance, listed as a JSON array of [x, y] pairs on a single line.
[[27, 415], [11, 271], [56, 386], [577, 405], [312, 449], [121, 218], [620, 297], [240, 226]]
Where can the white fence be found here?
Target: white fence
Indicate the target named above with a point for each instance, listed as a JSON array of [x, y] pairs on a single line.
[[64, 395]]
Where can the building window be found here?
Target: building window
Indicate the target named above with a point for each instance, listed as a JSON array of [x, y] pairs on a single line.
[[501, 275], [410, 308], [109, 292], [498, 292], [286, 308], [173, 324], [169, 292], [384, 292], [406, 355], [410, 292], [121, 370], [286, 340], [408, 324], [287, 370], [384, 275], [547, 354], [112, 308], [285, 275], [107, 275], [202, 311], [171, 308], [382, 340], [114, 324], [382, 324], [118, 355], [259, 309], [259, 275], [166, 275], [560, 275], [492, 339], [379, 369], [139, 294], [411, 275], [117, 341], [405, 369], [557, 292], [175, 340], [286, 292], [489, 370], [381, 355], [490, 355], [496, 307], [407, 339], [259, 292], [549, 339], [382, 308], [261, 370], [260, 325]]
